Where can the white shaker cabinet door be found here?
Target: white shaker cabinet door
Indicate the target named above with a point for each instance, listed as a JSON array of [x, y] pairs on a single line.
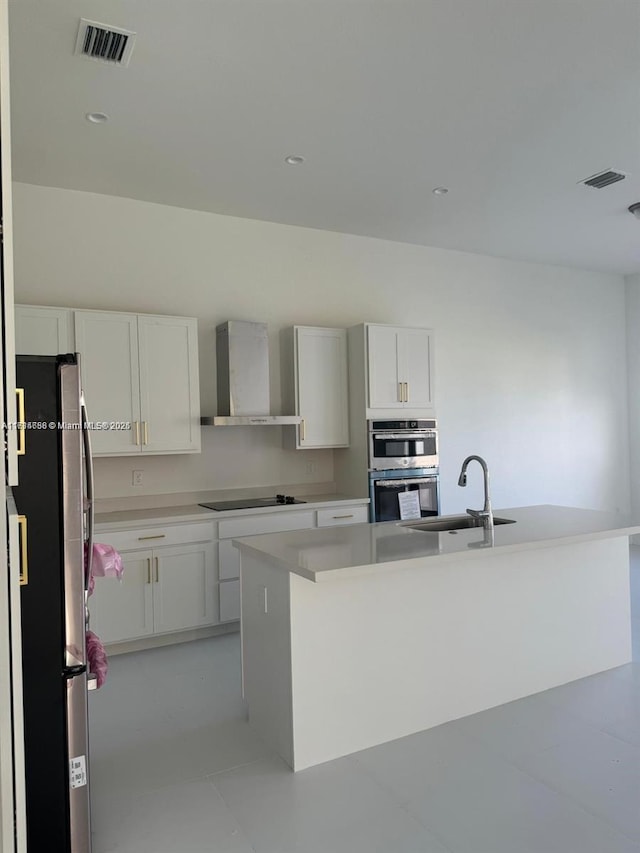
[[183, 587], [169, 384], [108, 345], [384, 382], [321, 387], [43, 331], [416, 366], [123, 609]]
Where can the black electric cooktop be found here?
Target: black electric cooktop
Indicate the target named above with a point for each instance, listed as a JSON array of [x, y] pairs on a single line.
[[252, 503]]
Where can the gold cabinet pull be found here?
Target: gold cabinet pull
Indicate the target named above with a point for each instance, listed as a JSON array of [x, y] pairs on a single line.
[[344, 516], [303, 430], [145, 431], [159, 536], [406, 392], [157, 570], [400, 400], [136, 432], [24, 562], [22, 430], [148, 569]]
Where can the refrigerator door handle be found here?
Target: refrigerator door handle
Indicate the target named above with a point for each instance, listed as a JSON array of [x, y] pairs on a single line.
[[89, 513]]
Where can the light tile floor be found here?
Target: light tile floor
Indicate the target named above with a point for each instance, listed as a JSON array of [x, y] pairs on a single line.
[[176, 769]]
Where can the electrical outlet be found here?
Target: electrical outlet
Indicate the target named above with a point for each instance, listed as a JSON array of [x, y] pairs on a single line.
[[136, 478], [312, 468]]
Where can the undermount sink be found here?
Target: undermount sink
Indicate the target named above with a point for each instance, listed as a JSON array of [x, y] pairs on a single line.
[[452, 522]]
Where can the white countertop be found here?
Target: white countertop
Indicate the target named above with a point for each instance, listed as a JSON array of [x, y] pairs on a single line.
[[192, 512], [341, 552]]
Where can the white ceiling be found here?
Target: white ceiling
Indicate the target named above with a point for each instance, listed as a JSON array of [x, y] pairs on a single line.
[[508, 103]]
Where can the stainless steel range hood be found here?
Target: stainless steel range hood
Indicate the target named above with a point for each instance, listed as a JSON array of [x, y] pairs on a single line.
[[242, 351]]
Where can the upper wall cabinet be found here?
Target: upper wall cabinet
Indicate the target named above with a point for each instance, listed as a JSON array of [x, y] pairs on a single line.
[[140, 369], [316, 386], [400, 367], [43, 331], [390, 372]]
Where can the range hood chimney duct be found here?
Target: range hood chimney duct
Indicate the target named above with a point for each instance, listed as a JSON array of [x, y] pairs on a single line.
[[242, 354]]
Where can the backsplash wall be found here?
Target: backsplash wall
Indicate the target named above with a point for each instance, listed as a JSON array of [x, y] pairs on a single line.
[[530, 361]]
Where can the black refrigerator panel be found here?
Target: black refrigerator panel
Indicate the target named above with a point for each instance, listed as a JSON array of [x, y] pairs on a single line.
[[51, 600]]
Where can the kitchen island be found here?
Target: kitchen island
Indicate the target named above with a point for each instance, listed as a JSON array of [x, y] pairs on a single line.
[[358, 635]]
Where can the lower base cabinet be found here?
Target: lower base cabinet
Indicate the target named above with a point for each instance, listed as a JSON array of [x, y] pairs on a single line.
[[229, 600], [179, 577], [162, 591]]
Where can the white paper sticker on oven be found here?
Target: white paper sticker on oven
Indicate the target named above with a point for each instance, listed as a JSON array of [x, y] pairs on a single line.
[[77, 772]]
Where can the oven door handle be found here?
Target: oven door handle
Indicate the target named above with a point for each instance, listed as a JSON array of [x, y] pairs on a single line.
[[408, 481], [381, 436]]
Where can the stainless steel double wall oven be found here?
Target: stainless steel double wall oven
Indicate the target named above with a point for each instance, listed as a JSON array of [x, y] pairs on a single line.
[[403, 457]]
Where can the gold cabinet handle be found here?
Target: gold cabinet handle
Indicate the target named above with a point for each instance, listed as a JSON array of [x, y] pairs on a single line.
[[145, 431], [157, 570], [24, 562], [22, 430], [303, 430], [136, 432], [344, 516], [143, 538], [148, 569], [406, 392], [400, 400]]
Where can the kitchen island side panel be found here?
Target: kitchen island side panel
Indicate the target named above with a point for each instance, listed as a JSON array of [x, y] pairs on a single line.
[[266, 652], [383, 656]]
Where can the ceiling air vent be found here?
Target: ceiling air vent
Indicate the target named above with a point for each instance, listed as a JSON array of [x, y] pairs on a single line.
[[603, 179], [104, 43]]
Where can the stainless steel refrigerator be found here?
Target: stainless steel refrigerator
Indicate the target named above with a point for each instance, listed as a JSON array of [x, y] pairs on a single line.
[[54, 497]]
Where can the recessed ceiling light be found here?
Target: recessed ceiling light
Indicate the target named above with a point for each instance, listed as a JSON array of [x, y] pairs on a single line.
[[440, 191], [294, 160], [97, 118]]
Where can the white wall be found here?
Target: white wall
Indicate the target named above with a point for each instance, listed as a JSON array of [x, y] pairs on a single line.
[[530, 359], [633, 352]]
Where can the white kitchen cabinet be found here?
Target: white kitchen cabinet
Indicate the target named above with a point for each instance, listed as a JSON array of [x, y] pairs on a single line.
[[178, 577], [400, 367], [229, 601], [164, 589], [108, 345], [41, 330], [169, 384], [229, 529], [229, 556], [317, 386], [123, 610], [140, 370], [183, 591]]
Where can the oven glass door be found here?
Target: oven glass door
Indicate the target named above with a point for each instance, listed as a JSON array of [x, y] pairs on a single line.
[[385, 496], [389, 450]]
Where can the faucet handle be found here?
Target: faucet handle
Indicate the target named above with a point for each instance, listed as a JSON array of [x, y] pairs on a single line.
[[476, 513]]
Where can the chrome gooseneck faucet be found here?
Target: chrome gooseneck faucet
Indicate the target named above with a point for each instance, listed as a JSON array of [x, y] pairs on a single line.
[[485, 514]]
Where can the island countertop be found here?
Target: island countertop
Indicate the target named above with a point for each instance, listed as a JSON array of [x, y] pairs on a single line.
[[360, 549]]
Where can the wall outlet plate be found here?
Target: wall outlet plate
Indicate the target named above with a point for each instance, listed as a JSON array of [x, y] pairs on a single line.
[[136, 478]]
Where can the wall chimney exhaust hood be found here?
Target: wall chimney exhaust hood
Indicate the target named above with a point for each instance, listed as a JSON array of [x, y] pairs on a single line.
[[242, 353]]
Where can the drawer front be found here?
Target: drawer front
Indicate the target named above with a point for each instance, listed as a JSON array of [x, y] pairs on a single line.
[[157, 537], [229, 600], [236, 527], [342, 515]]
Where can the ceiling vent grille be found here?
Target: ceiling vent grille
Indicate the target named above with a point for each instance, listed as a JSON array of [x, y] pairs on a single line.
[[104, 43], [603, 179]]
